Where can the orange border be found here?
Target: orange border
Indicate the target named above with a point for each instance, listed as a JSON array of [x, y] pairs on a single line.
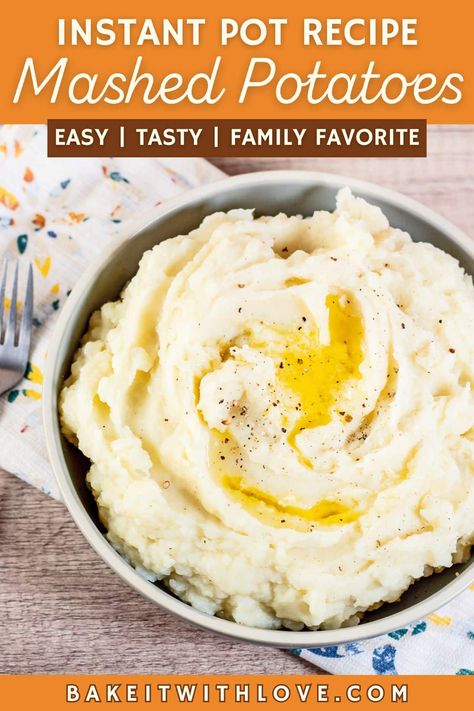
[[443, 32], [408, 692]]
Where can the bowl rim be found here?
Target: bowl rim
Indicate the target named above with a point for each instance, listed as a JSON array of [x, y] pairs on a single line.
[[269, 637]]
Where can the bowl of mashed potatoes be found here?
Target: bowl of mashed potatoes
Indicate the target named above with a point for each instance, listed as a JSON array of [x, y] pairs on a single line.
[[260, 409]]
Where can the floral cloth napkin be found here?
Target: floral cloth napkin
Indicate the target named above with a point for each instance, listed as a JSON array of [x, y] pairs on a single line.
[[442, 643], [59, 214]]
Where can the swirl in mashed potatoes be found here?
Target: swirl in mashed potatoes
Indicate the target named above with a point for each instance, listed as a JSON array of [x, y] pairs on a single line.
[[279, 414]]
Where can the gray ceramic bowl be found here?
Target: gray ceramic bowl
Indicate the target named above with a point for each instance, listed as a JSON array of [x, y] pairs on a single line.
[[292, 192]]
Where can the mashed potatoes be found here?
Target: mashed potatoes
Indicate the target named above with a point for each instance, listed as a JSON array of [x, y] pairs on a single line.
[[280, 416]]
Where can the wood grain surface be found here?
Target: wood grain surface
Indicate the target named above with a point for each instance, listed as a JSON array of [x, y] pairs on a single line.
[[443, 181], [62, 610]]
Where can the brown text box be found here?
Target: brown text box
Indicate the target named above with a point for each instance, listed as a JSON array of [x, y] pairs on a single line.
[[246, 139]]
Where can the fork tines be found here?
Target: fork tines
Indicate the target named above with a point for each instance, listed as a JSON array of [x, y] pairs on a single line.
[[9, 327]]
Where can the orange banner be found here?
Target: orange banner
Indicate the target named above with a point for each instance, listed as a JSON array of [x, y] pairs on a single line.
[[58, 693], [272, 59]]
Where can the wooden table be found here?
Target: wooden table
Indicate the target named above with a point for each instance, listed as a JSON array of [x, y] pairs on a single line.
[[63, 610]]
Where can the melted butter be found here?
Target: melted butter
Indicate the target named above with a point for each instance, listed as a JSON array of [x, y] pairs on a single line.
[[226, 458], [296, 281], [310, 377], [311, 374], [272, 512]]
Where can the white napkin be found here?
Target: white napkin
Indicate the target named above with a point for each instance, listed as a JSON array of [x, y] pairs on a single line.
[[442, 643], [60, 213]]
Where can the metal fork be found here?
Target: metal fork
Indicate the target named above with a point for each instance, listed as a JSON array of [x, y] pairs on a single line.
[[15, 339]]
